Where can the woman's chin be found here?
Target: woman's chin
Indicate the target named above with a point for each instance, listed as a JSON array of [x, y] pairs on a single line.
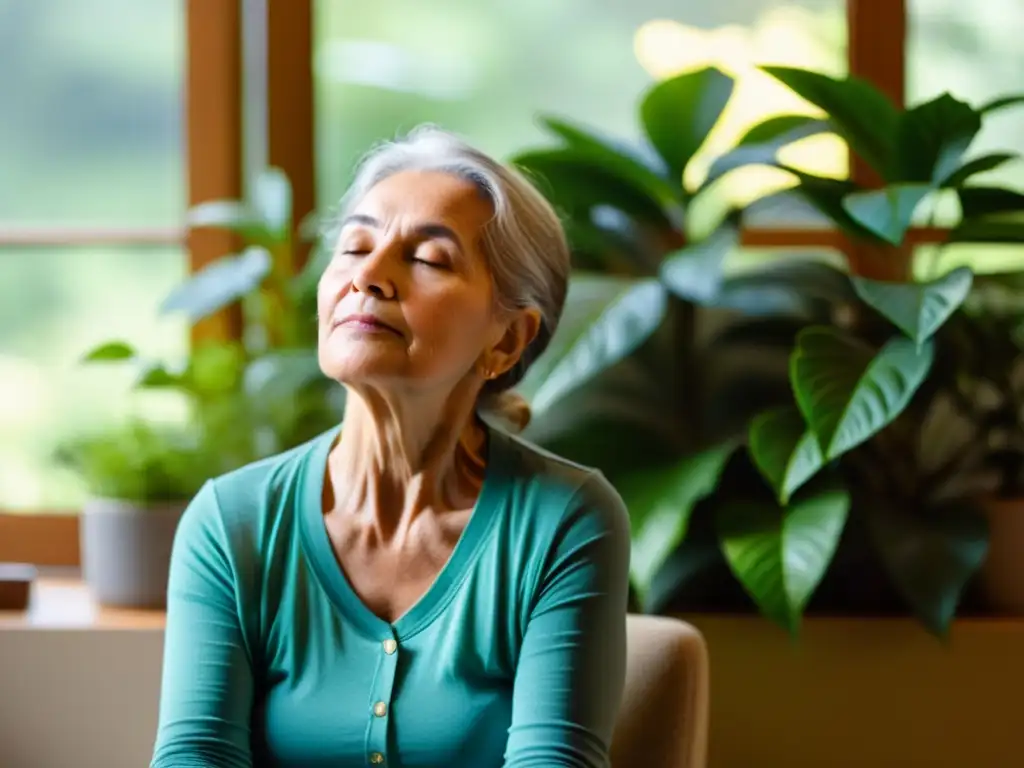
[[362, 366]]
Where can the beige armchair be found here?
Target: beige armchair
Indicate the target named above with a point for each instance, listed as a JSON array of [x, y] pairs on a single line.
[[664, 716]]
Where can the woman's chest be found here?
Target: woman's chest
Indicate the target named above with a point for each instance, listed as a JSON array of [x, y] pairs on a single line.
[[395, 704]]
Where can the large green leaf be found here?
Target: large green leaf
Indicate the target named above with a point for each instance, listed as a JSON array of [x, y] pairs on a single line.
[[779, 554], [577, 180], [792, 285], [588, 297], [846, 391], [917, 309], [761, 144], [980, 164], [861, 113], [660, 500], [933, 137], [637, 154], [930, 554], [234, 216], [977, 202], [110, 351], [695, 272], [785, 450], [620, 329], [627, 163], [886, 212], [272, 198], [679, 113], [219, 284]]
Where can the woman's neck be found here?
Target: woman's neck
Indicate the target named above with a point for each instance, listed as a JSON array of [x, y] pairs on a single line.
[[399, 457]]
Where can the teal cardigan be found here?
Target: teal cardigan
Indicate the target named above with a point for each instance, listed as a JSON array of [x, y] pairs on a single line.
[[514, 657]]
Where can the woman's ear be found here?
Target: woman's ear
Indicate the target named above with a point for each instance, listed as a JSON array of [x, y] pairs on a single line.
[[521, 330]]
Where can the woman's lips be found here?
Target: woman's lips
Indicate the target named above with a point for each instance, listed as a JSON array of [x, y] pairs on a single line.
[[366, 323]]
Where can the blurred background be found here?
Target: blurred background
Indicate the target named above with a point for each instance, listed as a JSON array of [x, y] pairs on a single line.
[[92, 140]]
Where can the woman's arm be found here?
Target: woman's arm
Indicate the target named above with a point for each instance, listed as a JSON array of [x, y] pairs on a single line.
[[571, 668], [206, 698]]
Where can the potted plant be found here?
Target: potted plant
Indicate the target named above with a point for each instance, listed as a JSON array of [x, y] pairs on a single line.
[[873, 357], [140, 477], [246, 399]]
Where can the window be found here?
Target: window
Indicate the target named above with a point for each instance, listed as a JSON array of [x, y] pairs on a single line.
[[486, 69], [95, 168], [92, 197]]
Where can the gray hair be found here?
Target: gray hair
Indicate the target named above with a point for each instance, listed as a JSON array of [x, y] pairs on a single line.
[[524, 242]]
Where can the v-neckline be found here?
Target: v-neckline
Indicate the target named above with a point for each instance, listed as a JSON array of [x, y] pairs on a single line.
[[337, 585]]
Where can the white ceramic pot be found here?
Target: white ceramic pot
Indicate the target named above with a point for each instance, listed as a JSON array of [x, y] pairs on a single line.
[[1002, 575], [126, 551]]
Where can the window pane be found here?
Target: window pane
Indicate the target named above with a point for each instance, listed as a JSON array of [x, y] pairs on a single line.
[[972, 51], [90, 128], [54, 306], [486, 69]]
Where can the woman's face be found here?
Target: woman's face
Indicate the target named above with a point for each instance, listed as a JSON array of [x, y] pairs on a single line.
[[407, 299]]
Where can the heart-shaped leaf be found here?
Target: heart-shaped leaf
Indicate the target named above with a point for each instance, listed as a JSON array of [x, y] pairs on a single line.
[[981, 164], [233, 216], [886, 212], [779, 554], [272, 199], [695, 272], [933, 137], [917, 309], [679, 113], [859, 111], [846, 391], [660, 500], [110, 351], [219, 284], [761, 144], [620, 329], [785, 450], [930, 554]]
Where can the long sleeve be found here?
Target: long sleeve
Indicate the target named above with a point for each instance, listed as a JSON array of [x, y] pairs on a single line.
[[571, 670], [207, 691]]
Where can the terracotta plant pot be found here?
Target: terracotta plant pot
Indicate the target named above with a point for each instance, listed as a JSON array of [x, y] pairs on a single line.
[[1001, 577], [126, 551]]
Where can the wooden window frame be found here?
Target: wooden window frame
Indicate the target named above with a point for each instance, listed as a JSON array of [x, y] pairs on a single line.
[[215, 133]]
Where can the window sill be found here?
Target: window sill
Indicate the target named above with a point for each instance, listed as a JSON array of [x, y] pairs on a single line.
[[59, 601]]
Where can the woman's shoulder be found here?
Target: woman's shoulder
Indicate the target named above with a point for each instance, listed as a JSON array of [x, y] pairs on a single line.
[[553, 491], [249, 503]]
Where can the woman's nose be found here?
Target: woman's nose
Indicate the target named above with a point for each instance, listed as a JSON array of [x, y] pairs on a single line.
[[372, 275]]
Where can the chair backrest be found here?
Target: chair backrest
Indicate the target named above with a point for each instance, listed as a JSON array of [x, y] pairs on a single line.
[[664, 715]]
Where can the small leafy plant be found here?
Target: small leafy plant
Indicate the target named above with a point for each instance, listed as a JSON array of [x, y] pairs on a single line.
[[139, 462]]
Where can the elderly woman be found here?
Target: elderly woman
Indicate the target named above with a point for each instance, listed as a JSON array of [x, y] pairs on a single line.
[[418, 588]]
